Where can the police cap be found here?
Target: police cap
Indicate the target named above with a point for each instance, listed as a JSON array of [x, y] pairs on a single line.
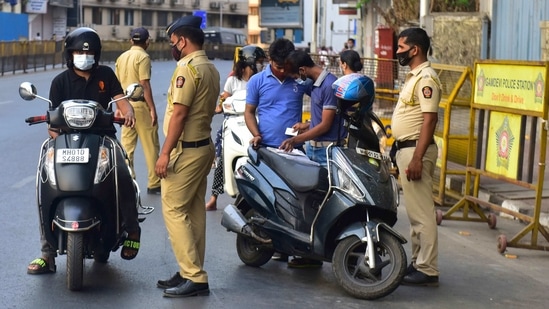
[[139, 34], [185, 21]]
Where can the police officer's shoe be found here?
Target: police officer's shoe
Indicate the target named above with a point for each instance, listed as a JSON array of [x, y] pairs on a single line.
[[188, 288], [418, 278], [410, 269], [174, 281]]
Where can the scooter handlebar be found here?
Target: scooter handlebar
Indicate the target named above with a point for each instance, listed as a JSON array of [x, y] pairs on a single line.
[[36, 119]]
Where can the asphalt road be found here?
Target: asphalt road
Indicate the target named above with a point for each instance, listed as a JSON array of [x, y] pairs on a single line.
[[473, 273]]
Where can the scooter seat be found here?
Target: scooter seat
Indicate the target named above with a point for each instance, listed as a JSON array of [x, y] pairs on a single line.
[[300, 175]]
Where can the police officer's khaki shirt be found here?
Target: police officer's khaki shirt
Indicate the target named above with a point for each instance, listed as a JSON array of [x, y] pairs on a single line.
[[195, 83], [420, 94], [132, 66]]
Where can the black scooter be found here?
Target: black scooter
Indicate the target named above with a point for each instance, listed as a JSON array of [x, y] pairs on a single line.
[[76, 182], [343, 214]]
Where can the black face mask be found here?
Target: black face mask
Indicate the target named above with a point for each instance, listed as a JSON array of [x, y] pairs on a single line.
[[404, 58], [176, 53]]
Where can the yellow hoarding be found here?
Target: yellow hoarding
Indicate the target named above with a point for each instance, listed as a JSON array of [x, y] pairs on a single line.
[[502, 152], [517, 86]]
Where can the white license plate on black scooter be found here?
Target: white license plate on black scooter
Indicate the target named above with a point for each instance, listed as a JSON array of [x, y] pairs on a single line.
[[72, 155]]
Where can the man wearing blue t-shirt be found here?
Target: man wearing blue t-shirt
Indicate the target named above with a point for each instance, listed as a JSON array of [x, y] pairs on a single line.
[[277, 98]]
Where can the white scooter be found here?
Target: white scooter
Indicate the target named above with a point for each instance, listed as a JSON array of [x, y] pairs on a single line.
[[236, 138]]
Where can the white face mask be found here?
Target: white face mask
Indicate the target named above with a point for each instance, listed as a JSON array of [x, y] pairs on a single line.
[[301, 79], [83, 62], [259, 66]]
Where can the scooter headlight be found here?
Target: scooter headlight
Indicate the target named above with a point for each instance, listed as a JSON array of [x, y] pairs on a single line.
[[345, 177], [49, 165], [79, 116], [103, 165], [347, 185]]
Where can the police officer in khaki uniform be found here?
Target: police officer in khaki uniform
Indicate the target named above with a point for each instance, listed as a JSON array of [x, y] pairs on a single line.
[[134, 66], [413, 125], [186, 156]]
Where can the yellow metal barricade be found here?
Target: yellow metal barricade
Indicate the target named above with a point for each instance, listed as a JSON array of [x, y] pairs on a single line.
[[452, 133], [509, 99]]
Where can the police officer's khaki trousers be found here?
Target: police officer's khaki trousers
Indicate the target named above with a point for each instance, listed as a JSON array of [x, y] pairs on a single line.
[[418, 199], [148, 134], [183, 200]]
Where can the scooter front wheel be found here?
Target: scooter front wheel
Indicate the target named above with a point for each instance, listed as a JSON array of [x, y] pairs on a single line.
[[251, 251], [75, 261], [354, 274]]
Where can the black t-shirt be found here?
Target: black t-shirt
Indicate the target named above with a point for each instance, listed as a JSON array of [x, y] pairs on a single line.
[[101, 87]]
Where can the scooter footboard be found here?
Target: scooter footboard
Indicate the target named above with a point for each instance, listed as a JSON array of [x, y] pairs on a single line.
[[76, 214]]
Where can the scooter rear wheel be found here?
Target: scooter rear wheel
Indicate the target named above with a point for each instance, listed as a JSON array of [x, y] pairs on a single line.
[[101, 257], [357, 278], [251, 251]]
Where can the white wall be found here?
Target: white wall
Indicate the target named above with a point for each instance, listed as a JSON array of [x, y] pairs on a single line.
[[359, 27], [343, 27]]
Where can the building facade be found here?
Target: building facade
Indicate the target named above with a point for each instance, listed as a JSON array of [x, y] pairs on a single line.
[[114, 19]]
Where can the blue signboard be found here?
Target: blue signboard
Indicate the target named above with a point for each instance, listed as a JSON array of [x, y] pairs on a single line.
[[281, 14], [13, 27], [203, 15]]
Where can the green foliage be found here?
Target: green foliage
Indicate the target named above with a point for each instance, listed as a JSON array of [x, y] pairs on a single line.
[[361, 3]]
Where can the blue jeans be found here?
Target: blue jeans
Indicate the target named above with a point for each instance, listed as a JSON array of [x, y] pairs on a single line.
[[317, 154]]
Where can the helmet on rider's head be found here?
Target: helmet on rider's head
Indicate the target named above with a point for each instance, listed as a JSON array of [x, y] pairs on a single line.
[[354, 88], [249, 54], [82, 39]]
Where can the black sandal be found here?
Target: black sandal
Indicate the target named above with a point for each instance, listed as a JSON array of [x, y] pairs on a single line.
[[43, 267], [130, 246]]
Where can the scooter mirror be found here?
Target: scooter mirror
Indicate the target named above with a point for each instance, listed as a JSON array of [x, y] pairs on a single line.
[[135, 91], [27, 91]]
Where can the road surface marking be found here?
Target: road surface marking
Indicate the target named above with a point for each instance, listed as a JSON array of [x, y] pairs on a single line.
[[23, 182]]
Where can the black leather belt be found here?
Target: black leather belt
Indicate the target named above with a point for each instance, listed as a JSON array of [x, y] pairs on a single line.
[[409, 143], [196, 144], [141, 99]]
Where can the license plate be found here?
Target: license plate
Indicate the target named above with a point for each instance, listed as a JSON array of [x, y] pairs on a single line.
[[373, 154], [72, 155], [369, 153]]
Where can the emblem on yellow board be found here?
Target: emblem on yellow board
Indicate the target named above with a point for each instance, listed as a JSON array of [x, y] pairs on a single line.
[[504, 140]]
